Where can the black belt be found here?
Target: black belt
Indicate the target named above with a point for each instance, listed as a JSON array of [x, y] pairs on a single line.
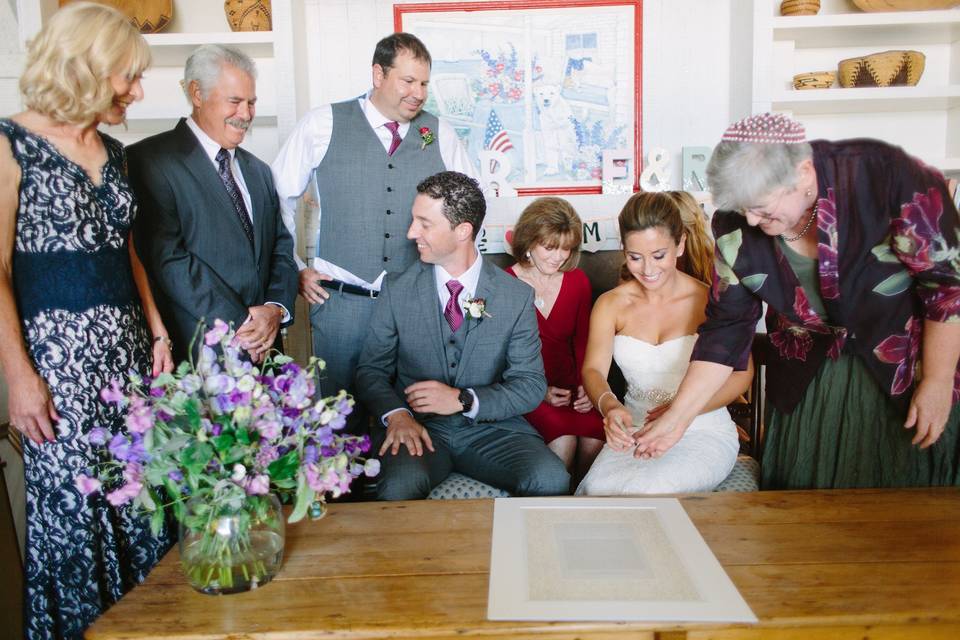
[[343, 287]]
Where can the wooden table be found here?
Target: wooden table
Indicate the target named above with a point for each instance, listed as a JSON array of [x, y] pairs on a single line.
[[829, 564]]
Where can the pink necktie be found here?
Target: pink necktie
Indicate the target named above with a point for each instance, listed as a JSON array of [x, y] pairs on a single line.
[[453, 313], [394, 129]]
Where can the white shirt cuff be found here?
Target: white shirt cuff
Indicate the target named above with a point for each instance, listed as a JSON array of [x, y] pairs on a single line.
[[383, 418], [285, 318]]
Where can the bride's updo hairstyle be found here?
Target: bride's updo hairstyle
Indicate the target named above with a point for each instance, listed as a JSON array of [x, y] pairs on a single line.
[[678, 213]]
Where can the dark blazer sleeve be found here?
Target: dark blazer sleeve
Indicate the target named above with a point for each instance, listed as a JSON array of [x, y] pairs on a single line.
[[377, 367], [183, 277], [284, 275], [522, 385]]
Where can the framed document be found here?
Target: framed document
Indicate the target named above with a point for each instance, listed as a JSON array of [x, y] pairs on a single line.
[[636, 559]]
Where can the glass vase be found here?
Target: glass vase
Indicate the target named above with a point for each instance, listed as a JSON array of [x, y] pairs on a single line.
[[229, 549]]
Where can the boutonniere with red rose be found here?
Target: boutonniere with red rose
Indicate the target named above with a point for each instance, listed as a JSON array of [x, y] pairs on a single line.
[[476, 308], [427, 136]]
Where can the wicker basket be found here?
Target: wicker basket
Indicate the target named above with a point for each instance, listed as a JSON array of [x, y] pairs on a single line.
[[149, 16], [814, 80], [884, 69], [904, 5], [248, 15], [799, 7]]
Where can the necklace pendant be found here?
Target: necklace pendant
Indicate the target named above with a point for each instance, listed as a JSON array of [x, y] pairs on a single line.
[[539, 302]]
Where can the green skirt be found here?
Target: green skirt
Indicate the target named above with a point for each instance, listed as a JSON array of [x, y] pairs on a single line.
[[846, 433]]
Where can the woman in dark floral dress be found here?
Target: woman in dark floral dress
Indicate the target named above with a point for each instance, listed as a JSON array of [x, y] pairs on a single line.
[[75, 309], [855, 248]]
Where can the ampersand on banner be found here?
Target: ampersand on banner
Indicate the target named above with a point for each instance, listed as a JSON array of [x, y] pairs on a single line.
[[656, 176], [494, 168]]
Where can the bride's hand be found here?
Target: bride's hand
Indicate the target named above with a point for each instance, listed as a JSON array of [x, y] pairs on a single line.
[[658, 435], [617, 424]]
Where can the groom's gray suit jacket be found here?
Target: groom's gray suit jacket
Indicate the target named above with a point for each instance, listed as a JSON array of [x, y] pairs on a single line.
[[500, 359]]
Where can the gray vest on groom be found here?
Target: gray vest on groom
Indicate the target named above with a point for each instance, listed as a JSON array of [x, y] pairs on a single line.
[[366, 195]]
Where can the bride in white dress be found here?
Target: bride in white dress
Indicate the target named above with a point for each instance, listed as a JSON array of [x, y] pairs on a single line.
[[648, 324]]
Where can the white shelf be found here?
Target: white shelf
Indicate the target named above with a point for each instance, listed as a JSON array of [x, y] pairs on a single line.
[[172, 49], [947, 165], [891, 29], [873, 99]]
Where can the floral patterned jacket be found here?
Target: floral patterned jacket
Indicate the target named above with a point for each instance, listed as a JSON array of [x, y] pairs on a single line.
[[888, 257]]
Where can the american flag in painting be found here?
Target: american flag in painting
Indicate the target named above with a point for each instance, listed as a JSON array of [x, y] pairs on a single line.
[[495, 138]]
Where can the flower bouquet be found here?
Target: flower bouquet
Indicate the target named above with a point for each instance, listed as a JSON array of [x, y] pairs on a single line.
[[217, 443]]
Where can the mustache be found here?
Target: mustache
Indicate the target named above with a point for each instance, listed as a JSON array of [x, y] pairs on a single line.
[[239, 123]]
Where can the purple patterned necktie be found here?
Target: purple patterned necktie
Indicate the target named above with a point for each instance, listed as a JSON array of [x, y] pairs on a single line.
[[452, 312], [394, 128], [233, 190]]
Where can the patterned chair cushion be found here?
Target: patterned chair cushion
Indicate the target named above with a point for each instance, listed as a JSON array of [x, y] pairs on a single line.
[[744, 477], [460, 487]]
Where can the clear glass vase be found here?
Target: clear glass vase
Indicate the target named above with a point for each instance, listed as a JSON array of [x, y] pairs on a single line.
[[229, 550]]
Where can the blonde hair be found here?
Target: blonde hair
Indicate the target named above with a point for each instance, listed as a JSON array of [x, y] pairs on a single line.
[[69, 63], [549, 222], [679, 213]]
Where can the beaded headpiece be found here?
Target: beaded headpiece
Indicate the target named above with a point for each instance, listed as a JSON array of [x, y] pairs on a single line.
[[766, 128]]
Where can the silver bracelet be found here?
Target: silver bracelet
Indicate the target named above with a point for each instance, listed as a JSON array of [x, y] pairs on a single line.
[[165, 340], [600, 399]]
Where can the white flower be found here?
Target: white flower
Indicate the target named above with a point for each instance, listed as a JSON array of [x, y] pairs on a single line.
[[239, 472], [475, 310]]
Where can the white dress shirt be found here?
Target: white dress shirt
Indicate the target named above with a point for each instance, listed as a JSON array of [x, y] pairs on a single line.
[[212, 148], [306, 147], [469, 280]]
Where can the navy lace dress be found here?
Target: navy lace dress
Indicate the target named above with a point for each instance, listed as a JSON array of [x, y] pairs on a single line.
[[83, 325]]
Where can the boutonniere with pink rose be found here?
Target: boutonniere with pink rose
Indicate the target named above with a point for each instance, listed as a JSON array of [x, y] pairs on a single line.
[[427, 136], [476, 308]]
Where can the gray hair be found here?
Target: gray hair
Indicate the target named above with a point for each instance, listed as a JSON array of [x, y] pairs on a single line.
[[741, 174], [206, 63]]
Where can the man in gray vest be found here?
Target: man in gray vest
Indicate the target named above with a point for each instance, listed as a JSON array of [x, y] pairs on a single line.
[[367, 154], [452, 360]]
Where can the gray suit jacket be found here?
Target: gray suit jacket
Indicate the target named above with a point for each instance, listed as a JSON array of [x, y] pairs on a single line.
[[190, 240], [501, 358]]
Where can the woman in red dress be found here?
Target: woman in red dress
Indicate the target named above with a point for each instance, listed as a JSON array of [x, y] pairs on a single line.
[[546, 243]]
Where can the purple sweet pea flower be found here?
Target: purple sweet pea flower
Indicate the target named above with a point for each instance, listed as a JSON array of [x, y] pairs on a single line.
[[343, 407], [98, 436], [128, 449], [371, 467], [86, 485], [257, 485], [217, 333], [176, 475], [139, 419], [365, 444], [310, 454], [265, 456], [114, 394], [218, 384], [124, 494]]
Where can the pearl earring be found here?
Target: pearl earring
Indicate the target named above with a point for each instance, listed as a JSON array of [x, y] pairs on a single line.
[[528, 255], [808, 193]]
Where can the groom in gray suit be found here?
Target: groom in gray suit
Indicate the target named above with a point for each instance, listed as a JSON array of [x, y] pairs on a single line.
[[209, 231], [452, 360]]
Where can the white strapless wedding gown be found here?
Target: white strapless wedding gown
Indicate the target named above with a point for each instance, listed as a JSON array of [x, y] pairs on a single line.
[[702, 458]]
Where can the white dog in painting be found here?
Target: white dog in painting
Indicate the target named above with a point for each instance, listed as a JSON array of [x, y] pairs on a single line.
[[557, 136]]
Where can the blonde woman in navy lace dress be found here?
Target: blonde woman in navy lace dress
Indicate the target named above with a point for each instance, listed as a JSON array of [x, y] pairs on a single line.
[[75, 310]]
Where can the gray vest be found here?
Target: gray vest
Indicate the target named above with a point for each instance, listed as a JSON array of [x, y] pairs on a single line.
[[452, 346], [366, 195]]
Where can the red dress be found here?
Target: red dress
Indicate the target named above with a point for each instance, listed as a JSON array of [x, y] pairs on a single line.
[[564, 338]]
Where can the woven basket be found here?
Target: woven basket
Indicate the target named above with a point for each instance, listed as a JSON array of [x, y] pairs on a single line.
[[814, 80], [904, 5], [799, 7], [149, 16], [248, 15], [884, 69]]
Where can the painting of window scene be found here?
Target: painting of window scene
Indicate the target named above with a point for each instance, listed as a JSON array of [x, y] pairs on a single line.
[[535, 94]]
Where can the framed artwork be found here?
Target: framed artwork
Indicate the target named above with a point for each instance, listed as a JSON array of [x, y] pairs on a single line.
[[537, 90]]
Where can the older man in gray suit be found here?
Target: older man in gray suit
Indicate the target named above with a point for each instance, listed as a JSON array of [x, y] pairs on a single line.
[[452, 360], [209, 229]]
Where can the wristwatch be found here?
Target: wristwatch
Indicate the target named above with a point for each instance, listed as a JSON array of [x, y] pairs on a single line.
[[466, 399]]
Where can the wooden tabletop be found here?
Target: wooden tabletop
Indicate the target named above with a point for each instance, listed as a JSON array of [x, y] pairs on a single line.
[[882, 564]]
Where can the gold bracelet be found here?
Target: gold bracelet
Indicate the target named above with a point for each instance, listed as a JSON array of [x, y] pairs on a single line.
[[600, 399]]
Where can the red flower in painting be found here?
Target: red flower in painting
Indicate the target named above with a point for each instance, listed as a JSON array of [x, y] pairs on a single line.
[[901, 350], [917, 229]]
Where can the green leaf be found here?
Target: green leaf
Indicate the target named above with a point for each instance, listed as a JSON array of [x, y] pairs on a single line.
[[195, 456], [305, 497], [223, 442], [163, 380], [895, 284], [729, 246], [755, 281], [243, 436], [284, 466], [236, 454], [192, 411], [883, 252], [156, 522]]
